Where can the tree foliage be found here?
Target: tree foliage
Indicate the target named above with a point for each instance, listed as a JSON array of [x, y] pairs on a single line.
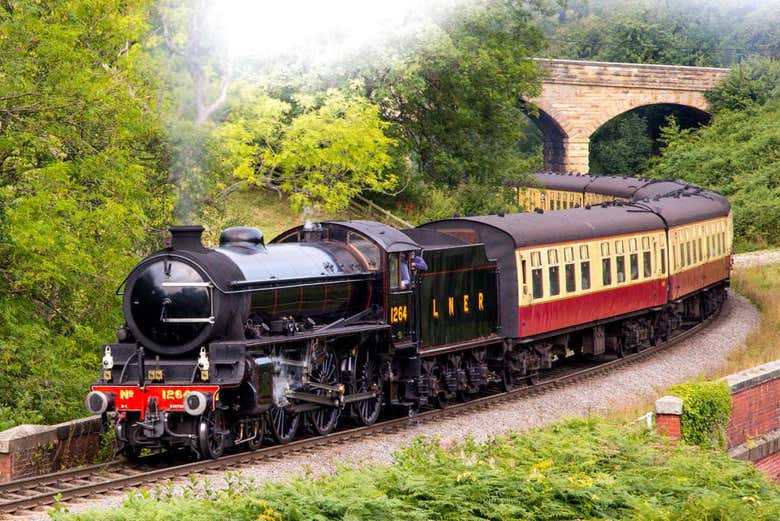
[[80, 192], [621, 146], [750, 83], [454, 97]]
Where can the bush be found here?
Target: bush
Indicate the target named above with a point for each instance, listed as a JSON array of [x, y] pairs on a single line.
[[706, 411], [579, 469]]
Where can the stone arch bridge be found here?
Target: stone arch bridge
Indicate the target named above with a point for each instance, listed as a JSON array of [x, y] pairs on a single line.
[[578, 97]]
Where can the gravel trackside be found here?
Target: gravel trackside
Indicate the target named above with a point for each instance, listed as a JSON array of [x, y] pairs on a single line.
[[756, 258], [629, 386]]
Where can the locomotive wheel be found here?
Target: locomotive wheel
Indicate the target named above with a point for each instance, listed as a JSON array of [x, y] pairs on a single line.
[[324, 371], [367, 380], [283, 423], [131, 449], [211, 439], [257, 442]]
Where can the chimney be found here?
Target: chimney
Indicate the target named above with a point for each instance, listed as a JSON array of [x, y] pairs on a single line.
[[187, 237]]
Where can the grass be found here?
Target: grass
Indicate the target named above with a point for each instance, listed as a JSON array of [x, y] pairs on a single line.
[[761, 285], [261, 209], [578, 469]]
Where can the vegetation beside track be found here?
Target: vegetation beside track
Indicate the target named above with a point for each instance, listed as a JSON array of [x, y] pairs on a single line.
[[762, 286], [578, 469]]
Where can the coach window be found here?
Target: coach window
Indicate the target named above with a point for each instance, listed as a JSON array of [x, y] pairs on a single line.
[[554, 272], [688, 253], [633, 263], [569, 271], [584, 268], [701, 251], [632, 245], [620, 262], [663, 261], [606, 264], [536, 275]]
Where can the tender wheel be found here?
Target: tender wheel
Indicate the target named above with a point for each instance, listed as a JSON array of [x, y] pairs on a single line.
[[283, 424], [438, 393], [367, 381], [324, 371], [211, 438], [257, 442]]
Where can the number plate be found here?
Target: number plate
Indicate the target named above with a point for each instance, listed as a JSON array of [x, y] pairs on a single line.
[[154, 375]]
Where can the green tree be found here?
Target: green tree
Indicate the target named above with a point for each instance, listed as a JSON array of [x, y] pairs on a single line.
[[621, 146], [454, 97], [81, 189], [751, 83]]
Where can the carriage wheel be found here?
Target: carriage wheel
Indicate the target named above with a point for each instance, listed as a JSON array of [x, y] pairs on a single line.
[[283, 423], [325, 371], [367, 380], [211, 440]]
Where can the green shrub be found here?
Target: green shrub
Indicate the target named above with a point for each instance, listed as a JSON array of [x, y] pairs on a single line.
[[578, 469], [706, 411]]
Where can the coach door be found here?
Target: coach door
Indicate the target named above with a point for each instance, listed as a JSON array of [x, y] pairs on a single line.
[[400, 297]]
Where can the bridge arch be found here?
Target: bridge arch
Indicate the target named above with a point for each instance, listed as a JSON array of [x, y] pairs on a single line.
[[554, 136], [582, 96], [611, 154]]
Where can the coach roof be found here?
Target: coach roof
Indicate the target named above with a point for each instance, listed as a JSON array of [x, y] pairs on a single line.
[[528, 229]]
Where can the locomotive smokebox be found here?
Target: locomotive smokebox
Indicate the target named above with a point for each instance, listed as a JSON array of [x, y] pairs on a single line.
[[187, 237]]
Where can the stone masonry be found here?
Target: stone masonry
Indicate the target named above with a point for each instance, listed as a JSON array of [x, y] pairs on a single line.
[[31, 450], [578, 97]]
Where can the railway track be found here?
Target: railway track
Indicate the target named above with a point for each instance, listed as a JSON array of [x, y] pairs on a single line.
[[26, 495]]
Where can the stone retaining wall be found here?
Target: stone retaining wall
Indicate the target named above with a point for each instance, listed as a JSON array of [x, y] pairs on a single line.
[[31, 450]]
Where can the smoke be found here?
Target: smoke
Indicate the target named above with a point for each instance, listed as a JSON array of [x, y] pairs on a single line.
[[322, 33], [294, 43]]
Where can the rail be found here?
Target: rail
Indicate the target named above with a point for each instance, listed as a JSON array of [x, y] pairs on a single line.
[[32, 493]]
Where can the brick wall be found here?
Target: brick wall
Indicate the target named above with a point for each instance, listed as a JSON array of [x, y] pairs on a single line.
[[31, 450], [755, 396], [753, 432], [770, 466]]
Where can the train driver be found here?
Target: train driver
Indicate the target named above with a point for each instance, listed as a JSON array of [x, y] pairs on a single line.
[[418, 264]]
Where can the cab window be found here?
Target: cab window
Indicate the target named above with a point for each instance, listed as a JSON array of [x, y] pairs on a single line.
[[393, 271]]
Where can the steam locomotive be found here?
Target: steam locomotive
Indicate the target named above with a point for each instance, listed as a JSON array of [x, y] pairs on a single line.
[[334, 322]]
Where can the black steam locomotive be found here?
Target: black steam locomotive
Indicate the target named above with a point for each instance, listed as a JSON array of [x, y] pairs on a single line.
[[340, 320]]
